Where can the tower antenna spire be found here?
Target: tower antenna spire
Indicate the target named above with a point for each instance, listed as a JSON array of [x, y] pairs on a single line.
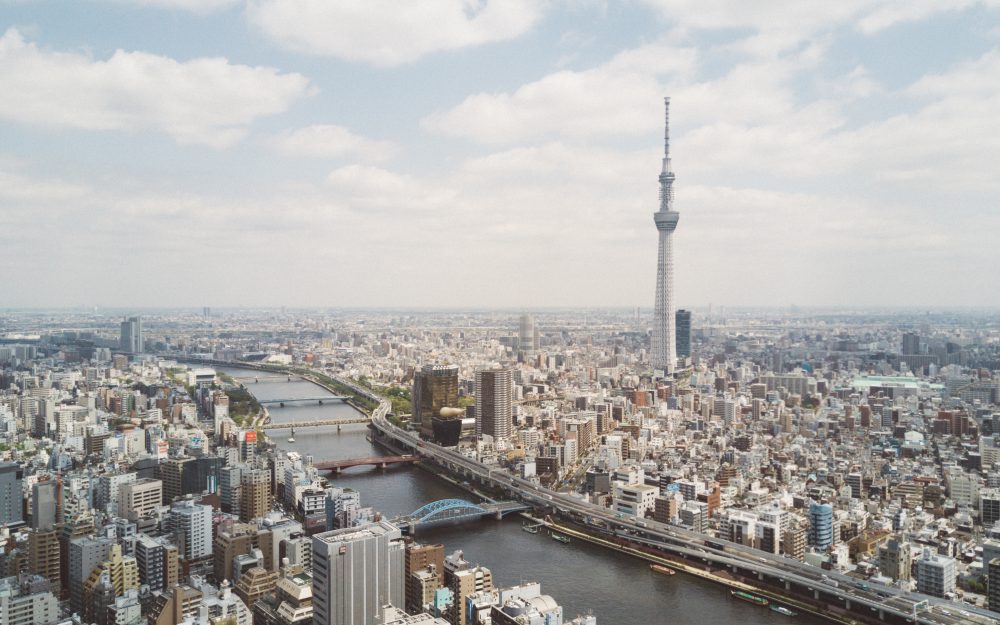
[[666, 127]]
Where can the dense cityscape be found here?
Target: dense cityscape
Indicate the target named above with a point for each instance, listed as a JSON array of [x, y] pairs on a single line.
[[144, 480], [324, 313]]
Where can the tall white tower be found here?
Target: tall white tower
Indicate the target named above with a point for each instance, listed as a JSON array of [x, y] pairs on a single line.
[[664, 353]]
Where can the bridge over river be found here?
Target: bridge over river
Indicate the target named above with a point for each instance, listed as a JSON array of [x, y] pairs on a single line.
[[452, 511]]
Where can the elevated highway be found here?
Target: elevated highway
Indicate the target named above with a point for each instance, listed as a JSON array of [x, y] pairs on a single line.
[[374, 461], [302, 400], [833, 593], [287, 425]]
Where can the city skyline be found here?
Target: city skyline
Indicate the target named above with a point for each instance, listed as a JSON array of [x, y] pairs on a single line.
[[840, 151]]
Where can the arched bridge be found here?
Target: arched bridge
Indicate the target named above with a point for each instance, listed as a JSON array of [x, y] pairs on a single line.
[[448, 511], [374, 461]]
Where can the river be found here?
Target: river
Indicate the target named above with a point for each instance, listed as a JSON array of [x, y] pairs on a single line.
[[617, 589]]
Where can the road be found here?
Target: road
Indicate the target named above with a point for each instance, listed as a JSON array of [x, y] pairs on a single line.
[[828, 586]]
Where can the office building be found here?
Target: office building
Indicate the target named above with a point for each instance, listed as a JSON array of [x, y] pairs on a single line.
[[993, 584], [131, 335], [229, 488], [664, 347], [683, 328], [494, 407], [935, 575], [27, 601], [85, 555], [527, 334], [989, 507], [355, 572], [44, 552], [171, 472], [434, 387], [44, 505], [232, 540], [157, 560], [421, 558], [255, 494], [464, 583], [254, 583], [191, 526], [140, 498], [107, 497], [895, 560], [11, 494], [820, 525]]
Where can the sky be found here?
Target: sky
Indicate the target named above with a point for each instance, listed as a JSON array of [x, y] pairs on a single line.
[[485, 153]]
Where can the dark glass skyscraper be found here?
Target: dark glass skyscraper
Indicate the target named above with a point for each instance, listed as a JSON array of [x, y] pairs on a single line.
[[434, 387], [683, 327]]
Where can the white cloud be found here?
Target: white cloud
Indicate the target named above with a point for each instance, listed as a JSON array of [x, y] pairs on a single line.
[[330, 141], [776, 26], [887, 14], [203, 101], [201, 7], [619, 97], [387, 32]]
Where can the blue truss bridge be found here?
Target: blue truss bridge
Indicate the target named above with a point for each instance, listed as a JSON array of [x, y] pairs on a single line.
[[451, 511]]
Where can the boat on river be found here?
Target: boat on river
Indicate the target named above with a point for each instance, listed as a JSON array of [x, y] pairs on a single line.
[[560, 537], [749, 597], [659, 568], [780, 609]]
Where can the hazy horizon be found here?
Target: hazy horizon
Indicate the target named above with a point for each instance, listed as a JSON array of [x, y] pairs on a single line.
[[502, 156]]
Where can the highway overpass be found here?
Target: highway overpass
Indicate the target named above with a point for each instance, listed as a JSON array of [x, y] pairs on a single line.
[[839, 595]]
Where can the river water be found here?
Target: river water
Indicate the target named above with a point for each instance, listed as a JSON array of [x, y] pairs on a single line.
[[617, 589]]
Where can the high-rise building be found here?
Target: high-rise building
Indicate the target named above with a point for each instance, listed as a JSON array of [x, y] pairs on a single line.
[[682, 325], [989, 506], [27, 601], [158, 560], [44, 505], [232, 540], [171, 472], [911, 343], [109, 490], [255, 494], [191, 525], [355, 572], [131, 335], [820, 525], [527, 334], [85, 555], [894, 559], [229, 488], [11, 494], [664, 349], [418, 558], [43, 555], [465, 583], [434, 387], [993, 584], [140, 498], [494, 408]]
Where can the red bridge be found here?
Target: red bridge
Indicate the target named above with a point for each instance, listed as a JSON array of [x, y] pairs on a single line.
[[375, 461]]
